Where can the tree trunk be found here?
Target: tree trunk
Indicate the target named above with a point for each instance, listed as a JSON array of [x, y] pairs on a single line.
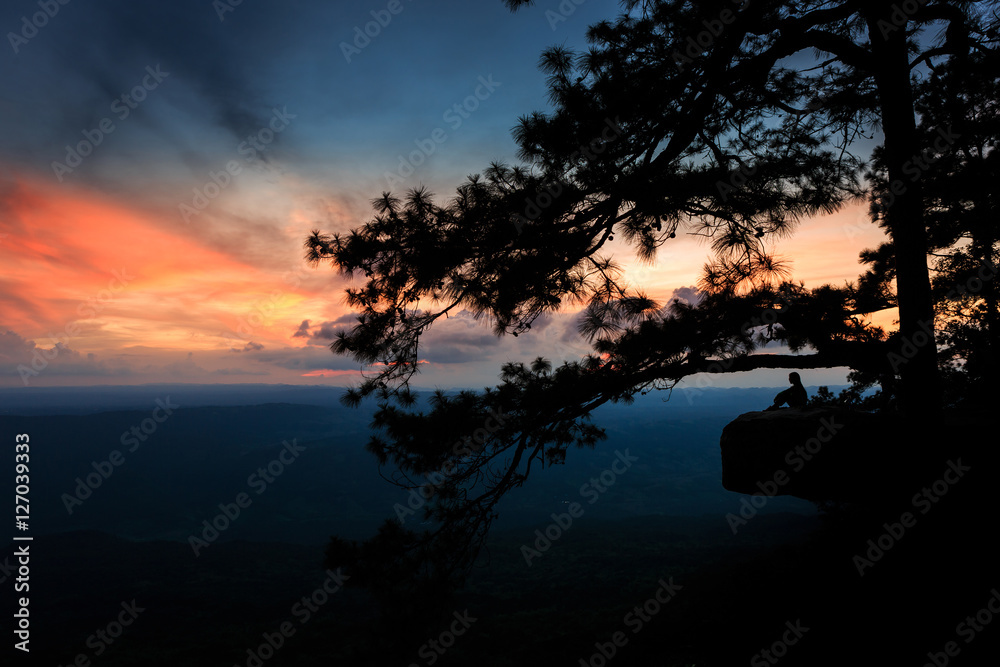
[[917, 354]]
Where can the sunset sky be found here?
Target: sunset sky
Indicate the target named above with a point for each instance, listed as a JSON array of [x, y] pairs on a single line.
[[162, 163]]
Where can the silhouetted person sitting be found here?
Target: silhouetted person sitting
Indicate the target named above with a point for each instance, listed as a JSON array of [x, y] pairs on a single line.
[[795, 396]]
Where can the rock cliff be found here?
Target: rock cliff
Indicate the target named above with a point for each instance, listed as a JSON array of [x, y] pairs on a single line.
[[816, 454]]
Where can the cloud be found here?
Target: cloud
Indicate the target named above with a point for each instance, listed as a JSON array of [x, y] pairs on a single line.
[[571, 329], [541, 322], [13, 348], [249, 347], [23, 362], [458, 339], [99, 51], [691, 295], [325, 332], [25, 359]]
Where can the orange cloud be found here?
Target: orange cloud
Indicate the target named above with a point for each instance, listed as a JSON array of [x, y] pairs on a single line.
[[71, 255]]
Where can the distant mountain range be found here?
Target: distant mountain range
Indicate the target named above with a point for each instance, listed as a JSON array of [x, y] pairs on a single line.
[[169, 477]]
